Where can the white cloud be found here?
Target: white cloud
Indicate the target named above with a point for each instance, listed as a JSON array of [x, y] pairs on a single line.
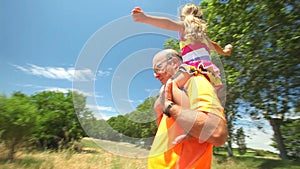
[[103, 116], [57, 89], [100, 108], [103, 73], [58, 72], [128, 100], [148, 90], [102, 112]]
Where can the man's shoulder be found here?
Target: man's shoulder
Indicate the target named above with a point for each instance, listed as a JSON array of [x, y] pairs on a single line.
[[199, 82], [199, 78]]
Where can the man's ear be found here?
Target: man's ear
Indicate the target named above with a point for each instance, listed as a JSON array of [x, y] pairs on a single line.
[[175, 61]]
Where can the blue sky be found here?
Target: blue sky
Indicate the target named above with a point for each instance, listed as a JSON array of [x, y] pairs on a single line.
[[42, 40], [90, 46]]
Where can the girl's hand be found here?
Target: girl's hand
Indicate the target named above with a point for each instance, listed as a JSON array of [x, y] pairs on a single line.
[[136, 10], [228, 46], [138, 14], [227, 49]]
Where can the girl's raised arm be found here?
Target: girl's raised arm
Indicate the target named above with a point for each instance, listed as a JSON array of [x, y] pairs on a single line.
[[162, 22]]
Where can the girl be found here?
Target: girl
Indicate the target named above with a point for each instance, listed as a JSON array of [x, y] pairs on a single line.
[[194, 44]]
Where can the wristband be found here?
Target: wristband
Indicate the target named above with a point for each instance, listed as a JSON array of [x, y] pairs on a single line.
[[167, 110]]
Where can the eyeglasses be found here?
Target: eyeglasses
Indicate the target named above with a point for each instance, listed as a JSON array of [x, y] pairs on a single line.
[[159, 68]]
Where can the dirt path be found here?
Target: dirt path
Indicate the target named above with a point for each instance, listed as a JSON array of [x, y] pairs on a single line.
[[121, 148]]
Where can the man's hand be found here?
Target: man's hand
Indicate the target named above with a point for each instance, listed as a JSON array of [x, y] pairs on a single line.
[[168, 90], [167, 97]]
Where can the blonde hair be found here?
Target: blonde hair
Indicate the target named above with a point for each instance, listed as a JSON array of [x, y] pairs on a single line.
[[195, 27]]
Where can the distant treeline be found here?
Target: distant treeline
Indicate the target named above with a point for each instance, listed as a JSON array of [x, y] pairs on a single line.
[[55, 120]]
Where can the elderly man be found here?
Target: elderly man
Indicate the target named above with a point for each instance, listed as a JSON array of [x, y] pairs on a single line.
[[185, 135]]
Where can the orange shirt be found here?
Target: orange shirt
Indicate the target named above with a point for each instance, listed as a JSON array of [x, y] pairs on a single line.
[[187, 153]]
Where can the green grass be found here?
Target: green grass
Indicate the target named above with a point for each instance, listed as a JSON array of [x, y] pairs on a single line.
[[246, 162]]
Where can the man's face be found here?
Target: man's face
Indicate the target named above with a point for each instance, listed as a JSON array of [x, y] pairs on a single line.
[[161, 69]]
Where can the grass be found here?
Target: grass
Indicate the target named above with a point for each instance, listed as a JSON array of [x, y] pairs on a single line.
[[95, 157], [224, 162], [66, 160]]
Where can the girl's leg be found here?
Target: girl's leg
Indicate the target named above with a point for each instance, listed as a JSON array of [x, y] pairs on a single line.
[[179, 96]]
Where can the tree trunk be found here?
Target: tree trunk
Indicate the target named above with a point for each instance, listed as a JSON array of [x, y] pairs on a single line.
[[11, 151], [229, 148], [275, 123], [229, 119]]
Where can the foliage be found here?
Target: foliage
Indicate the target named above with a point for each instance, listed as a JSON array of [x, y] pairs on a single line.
[[266, 38], [259, 153], [291, 137], [172, 44], [17, 121], [134, 127], [262, 75], [57, 123], [45, 120], [139, 124]]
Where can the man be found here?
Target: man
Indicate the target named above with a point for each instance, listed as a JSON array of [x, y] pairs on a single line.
[[185, 136]]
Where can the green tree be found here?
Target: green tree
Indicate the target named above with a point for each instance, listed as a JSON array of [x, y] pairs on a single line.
[[265, 36], [120, 126], [93, 127], [291, 136], [139, 124], [145, 121], [172, 44], [17, 122], [57, 123]]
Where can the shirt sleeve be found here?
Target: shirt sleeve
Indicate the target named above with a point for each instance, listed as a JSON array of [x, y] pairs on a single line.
[[203, 97]]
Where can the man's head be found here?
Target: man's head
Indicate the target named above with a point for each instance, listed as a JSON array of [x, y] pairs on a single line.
[[165, 64]]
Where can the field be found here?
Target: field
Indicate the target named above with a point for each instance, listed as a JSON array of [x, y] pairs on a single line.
[[129, 157]]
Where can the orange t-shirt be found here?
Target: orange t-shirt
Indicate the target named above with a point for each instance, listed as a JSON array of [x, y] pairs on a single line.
[[188, 153]]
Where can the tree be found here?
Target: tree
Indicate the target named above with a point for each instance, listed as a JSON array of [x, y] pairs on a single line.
[[291, 136], [57, 123], [137, 125], [119, 126], [265, 36], [172, 44], [240, 141], [17, 122]]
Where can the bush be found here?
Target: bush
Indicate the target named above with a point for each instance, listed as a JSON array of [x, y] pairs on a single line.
[[259, 153]]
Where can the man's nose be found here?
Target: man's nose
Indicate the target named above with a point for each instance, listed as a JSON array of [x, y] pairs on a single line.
[[156, 75]]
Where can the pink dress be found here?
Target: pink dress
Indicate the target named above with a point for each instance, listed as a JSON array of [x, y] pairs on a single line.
[[198, 56]]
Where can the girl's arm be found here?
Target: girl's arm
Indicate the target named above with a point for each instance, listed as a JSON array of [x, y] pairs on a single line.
[[215, 46], [161, 22]]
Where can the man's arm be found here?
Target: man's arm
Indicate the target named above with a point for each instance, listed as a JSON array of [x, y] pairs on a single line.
[[207, 127], [203, 125]]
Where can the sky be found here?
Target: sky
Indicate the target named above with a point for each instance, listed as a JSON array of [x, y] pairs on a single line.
[[90, 46]]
